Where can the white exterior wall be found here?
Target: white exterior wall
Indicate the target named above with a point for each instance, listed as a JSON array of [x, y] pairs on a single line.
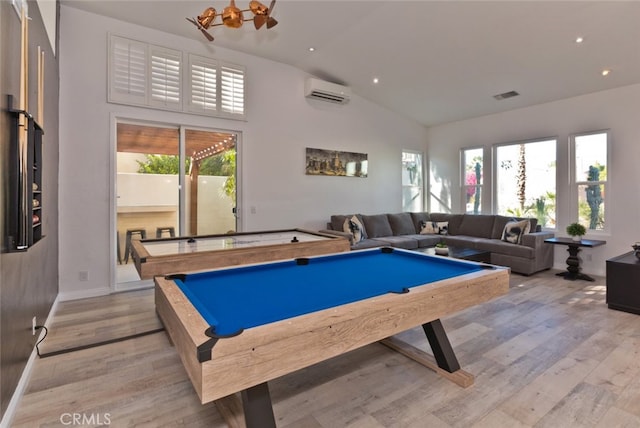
[[615, 109], [280, 123]]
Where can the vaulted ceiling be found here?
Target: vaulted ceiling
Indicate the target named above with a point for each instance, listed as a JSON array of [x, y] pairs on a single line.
[[436, 61]]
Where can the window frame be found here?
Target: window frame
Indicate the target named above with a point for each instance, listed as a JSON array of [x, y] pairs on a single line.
[[422, 185], [495, 178], [463, 177], [574, 185]]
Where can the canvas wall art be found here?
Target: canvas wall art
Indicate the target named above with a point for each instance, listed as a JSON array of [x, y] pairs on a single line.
[[336, 163]]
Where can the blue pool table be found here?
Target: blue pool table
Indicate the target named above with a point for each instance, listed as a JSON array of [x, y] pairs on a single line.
[[237, 328]]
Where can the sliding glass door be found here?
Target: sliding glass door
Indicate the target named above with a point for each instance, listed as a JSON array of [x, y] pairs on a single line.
[[170, 182]]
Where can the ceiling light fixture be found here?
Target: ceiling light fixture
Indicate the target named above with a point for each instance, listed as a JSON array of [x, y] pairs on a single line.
[[376, 80], [579, 39], [605, 72], [312, 49], [233, 17]]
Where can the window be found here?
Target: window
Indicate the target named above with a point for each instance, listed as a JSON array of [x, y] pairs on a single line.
[[128, 71], [232, 89], [412, 185], [204, 85], [590, 154], [472, 182], [525, 180], [146, 75], [166, 67]]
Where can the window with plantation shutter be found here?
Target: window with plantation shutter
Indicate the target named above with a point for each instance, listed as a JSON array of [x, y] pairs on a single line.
[[165, 78], [203, 85], [142, 74], [232, 90], [128, 71]]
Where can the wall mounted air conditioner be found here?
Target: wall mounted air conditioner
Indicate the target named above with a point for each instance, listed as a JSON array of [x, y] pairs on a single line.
[[326, 91]]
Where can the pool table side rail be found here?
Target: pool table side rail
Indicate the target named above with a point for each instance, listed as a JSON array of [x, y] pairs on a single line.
[[150, 266], [267, 352]]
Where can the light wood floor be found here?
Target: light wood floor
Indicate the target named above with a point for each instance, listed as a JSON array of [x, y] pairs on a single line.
[[549, 354]]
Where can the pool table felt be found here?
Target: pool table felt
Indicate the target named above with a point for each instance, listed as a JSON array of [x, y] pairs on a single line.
[[231, 300]]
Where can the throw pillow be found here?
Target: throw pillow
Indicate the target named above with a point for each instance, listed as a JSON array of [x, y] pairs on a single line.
[[514, 230], [354, 227], [434, 227]]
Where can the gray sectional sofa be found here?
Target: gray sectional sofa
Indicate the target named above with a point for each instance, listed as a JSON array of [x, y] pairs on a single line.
[[483, 232]]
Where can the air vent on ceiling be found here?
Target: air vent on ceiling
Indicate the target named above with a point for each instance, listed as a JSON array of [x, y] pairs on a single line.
[[506, 95], [326, 91]]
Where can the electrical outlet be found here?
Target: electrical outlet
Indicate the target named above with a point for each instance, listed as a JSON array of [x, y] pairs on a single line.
[[83, 275], [588, 257], [34, 323]]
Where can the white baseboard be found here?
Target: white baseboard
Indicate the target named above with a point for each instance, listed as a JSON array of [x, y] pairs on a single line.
[[64, 296], [8, 416]]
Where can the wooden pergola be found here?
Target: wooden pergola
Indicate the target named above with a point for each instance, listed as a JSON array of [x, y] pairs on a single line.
[[199, 145]]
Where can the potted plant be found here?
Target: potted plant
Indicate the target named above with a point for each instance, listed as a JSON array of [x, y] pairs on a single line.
[[441, 248], [576, 231]]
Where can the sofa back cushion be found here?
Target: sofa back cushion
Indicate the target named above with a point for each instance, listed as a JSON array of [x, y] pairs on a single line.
[[337, 221], [501, 221], [401, 224], [480, 226], [454, 221], [418, 220], [377, 225]]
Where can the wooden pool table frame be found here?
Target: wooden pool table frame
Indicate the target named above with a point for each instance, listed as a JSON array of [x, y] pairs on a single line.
[[248, 361], [149, 266]]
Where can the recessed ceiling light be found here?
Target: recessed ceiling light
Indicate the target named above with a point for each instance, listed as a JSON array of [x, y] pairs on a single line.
[[376, 80], [605, 72], [312, 49], [579, 39]]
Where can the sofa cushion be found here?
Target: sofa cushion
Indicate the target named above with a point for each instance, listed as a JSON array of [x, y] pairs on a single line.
[[500, 247], [354, 226], [477, 225], [425, 240], [377, 225], [337, 221], [501, 221], [434, 228], [462, 241], [401, 224], [418, 218], [369, 243], [454, 221], [399, 242], [514, 230]]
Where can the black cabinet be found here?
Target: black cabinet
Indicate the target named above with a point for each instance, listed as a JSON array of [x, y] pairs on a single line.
[[623, 283], [24, 219]]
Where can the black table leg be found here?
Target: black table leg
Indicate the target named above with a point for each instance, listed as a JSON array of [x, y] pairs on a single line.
[[258, 411], [441, 347], [573, 265]]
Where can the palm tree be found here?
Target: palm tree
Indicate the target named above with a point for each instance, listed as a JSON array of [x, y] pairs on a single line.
[[522, 177]]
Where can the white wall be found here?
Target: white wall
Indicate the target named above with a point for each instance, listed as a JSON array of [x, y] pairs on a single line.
[[280, 124], [616, 109]]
